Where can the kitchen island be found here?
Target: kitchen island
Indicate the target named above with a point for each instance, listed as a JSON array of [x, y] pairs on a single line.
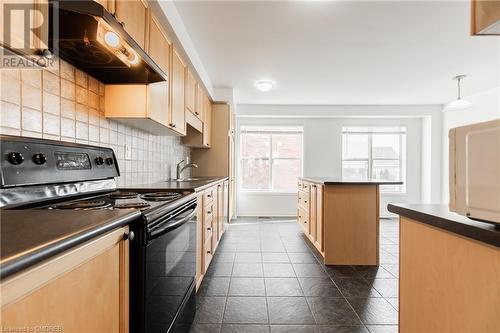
[[341, 218], [449, 271]]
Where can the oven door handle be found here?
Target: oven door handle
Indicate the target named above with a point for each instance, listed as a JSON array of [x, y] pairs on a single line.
[[162, 229]]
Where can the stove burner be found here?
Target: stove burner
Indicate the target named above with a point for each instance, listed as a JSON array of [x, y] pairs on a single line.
[[123, 195], [83, 205], [161, 196], [139, 205]]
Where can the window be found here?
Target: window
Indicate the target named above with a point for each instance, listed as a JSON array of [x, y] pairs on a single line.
[[375, 153], [270, 158]]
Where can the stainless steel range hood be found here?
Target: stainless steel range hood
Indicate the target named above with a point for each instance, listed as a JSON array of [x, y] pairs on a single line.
[[93, 40]]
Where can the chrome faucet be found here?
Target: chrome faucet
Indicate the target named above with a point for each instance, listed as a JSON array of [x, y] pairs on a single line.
[[182, 168]]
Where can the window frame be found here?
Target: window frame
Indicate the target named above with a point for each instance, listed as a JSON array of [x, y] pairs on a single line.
[[298, 129], [403, 131]]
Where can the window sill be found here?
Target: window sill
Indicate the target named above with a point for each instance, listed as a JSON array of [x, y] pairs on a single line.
[[268, 193], [394, 194]]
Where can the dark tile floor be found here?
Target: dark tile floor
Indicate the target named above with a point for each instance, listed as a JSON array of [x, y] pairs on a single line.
[[266, 278]]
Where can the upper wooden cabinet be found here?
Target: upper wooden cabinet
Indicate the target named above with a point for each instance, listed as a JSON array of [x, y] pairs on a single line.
[[207, 121], [190, 92], [133, 14], [159, 45], [177, 82], [107, 4], [139, 105], [216, 161], [485, 17], [198, 108]]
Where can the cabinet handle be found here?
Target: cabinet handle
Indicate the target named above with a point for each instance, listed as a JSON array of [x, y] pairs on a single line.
[[209, 195], [209, 252], [197, 113], [209, 229], [129, 236], [305, 201], [172, 125]]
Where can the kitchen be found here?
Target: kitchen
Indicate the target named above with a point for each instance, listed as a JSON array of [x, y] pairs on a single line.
[[155, 177]]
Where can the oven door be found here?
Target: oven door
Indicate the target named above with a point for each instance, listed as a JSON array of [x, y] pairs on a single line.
[[170, 273]]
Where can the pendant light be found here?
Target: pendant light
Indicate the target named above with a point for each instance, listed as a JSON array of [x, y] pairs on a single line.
[[459, 103]]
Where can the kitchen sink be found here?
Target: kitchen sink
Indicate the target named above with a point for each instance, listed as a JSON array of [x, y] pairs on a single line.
[[189, 179]]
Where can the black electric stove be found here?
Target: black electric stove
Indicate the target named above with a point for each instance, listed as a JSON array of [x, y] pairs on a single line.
[[51, 175]]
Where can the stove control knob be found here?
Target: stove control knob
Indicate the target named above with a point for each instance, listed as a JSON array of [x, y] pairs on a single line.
[[39, 158], [99, 160], [16, 158], [110, 161]]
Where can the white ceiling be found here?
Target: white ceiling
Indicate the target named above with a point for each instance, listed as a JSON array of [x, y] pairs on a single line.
[[345, 52]]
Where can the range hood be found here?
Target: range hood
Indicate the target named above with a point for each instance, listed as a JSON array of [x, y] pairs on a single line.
[[93, 40]]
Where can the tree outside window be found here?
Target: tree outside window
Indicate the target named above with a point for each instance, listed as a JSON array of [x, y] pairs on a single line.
[[375, 153], [270, 158]]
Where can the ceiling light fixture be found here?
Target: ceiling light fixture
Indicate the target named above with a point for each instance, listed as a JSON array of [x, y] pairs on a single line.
[[264, 85], [459, 103]]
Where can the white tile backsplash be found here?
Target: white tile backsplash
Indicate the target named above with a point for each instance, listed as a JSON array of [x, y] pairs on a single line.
[[68, 105]]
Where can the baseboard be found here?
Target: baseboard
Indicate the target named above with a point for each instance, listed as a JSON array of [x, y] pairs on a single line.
[[263, 214]]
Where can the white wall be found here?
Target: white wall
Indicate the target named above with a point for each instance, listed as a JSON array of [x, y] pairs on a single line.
[[323, 144], [485, 106]]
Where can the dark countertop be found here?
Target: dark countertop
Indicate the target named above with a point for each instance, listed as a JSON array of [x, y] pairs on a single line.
[[30, 236], [191, 185], [340, 181], [439, 216]]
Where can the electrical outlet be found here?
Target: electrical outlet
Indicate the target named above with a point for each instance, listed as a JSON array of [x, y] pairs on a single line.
[[128, 152]]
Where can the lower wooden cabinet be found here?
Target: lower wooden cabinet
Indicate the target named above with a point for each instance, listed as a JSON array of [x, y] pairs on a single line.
[[85, 289], [211, 203], [447, 282], [341, 221], [310, 212]]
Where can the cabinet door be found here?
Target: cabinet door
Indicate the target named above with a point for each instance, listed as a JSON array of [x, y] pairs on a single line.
[[190, 91], [82, 290], [485, 18], [319, 218], [159, 45], [231, 199], [220, 211], [198, 107], [215, 221], [207, 123], [200, 228], [177, 116], [133, 14], [312, 212]]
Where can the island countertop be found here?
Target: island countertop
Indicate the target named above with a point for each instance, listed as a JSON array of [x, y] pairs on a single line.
[[341, 181], [440, 216]]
